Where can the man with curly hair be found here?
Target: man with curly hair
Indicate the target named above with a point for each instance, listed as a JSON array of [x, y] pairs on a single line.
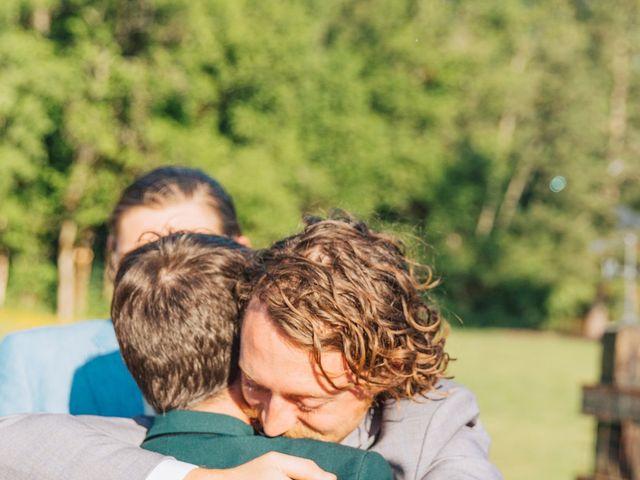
[[338, 343]]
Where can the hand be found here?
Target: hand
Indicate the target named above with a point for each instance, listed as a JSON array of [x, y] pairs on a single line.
[[270, 466]]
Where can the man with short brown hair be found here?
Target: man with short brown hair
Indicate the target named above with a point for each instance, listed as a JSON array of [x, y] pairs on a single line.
[[175, 311]]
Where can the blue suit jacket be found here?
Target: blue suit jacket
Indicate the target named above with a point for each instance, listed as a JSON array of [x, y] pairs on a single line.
[[67, 369]]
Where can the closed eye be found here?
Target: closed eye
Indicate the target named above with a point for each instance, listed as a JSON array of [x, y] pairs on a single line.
[[251, 385], [305, 408]]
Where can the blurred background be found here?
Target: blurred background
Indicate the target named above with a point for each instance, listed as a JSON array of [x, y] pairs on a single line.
[[500, 138]]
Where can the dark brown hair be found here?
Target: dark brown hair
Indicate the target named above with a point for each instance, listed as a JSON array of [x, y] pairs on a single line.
[[175, 311], [338, 286], [171, 184]]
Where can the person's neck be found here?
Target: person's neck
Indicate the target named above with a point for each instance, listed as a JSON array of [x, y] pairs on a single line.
[[227, 402]]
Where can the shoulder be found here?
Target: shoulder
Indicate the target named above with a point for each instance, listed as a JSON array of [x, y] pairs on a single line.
[[430, 420], [73, 448], [438, 433], [80, 340], [125, 430], [448, 401], [37, 365], [86, 329]]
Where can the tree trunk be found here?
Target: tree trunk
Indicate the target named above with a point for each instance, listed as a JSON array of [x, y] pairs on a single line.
[[41, 20], [618, 102], [618, 114], [83, 257], [514, 192], [506, 131], [4, 277], [80, 174], [66, 271]]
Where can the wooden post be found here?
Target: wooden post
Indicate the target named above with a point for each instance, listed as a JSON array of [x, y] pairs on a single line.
[[616, 404]]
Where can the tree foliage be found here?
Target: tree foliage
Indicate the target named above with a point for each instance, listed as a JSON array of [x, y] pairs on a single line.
[[448, 118]]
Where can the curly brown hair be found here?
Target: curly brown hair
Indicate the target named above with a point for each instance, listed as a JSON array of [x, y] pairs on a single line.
[[338, 286]]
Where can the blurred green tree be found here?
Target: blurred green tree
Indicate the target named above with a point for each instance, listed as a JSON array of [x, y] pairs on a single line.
[[492, 129]]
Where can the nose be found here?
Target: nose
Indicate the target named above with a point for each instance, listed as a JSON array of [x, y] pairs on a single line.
[[278, 416]]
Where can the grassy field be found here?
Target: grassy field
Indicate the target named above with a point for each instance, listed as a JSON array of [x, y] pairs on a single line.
[[528, 386], [12, 320]]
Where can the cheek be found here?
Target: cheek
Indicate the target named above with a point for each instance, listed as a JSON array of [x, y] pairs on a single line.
[[329, 419], [324, 424], [342, 417], [329, 426]]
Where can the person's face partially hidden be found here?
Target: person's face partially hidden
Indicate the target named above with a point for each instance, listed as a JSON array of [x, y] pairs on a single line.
[[286, 392], [140, 225]]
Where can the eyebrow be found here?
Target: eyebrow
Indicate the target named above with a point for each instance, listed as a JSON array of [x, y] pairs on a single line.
[[292, 396], [248, 377]]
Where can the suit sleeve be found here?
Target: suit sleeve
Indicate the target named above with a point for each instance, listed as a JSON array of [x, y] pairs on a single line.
[[462, 443], [375, 467], [15, 393], [62, 447]]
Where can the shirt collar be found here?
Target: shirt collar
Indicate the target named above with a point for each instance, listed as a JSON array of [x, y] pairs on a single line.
[[187, 421]]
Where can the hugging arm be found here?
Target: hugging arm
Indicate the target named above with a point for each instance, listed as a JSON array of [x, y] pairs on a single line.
[[64, 447]]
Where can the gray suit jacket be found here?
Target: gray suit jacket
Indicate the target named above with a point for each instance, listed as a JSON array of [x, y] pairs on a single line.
[[433, 439]]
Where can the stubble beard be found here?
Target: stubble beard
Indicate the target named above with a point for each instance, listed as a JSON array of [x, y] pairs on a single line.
[[300, 430]]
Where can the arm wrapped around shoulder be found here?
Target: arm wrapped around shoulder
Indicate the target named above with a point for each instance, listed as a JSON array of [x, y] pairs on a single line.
[[63, 447]]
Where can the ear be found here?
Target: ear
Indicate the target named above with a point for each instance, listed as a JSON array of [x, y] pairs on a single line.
[[242, 240], [112, 257], [112, 254]]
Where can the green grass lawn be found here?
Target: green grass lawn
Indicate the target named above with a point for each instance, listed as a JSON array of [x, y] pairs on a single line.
[[13, 320], [528, 387]]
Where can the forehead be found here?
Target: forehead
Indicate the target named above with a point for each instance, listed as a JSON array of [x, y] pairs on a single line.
[[269, 358], [139, 225]]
